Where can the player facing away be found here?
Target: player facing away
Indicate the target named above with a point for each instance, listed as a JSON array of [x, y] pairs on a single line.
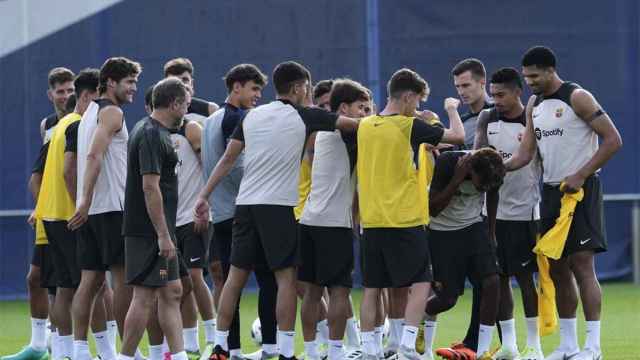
[[394, 251], [264, 229]]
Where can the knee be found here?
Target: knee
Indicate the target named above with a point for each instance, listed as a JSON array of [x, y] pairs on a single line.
[[33, 279], [286, 278], [99, 287], [559, 272], [312, 293], [172, 293], [196, 276], [582, 266], [216, 273], [339, 296], [186, 286]]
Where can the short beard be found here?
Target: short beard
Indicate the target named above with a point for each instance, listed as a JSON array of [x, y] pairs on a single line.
[[177, 122]]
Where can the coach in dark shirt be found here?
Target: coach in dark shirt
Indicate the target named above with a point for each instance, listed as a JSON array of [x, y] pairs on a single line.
[[151, 200]]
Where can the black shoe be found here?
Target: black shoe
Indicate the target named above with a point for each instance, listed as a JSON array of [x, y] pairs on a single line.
[[282, 357]]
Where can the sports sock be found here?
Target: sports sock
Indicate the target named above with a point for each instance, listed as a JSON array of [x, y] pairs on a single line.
[[335, 350], [182, 355], [533, 333], [409, 335], [395, 331], [221, 339], [67, 346], [568, 335], [509, 334], [209, 330], [369, 343], [190, 336], [103, 346], [353, 335], [485, 334], [592, 340], [310, 349], [155, 352], [112, 329], [429, 335], [81, 350], [38, 334], [285, 342]]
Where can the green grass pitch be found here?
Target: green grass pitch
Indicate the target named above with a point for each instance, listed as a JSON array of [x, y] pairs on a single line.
[[620, 323]]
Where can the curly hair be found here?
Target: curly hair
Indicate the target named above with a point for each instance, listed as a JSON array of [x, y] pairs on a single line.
[[487, 164]]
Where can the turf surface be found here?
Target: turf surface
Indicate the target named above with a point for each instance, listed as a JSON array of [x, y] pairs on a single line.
[[620, 325]]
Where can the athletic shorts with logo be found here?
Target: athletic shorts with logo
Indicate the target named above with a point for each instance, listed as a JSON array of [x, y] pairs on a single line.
[[264, 236], [394, 257], [326, 255], [42, 258], [587, 227], [100, 242], [458, 254], [516, 240], [63, 250], [193, 247], [143, 265]]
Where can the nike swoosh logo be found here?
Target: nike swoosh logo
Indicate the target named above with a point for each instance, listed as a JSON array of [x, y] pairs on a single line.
[[377, 124], [526, 263], [194, 259], [493, 132], [582, 242]]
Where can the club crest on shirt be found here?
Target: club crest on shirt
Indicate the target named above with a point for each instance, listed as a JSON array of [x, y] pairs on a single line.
[[559, 112]]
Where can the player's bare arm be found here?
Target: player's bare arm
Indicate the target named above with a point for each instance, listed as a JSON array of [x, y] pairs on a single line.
[[347, 124], [193, 132], [70, 172], [493, 198], [481, 139], [223, 167], [153, 202], [588, 109], [110, 121], [455, 133], [439, 200]]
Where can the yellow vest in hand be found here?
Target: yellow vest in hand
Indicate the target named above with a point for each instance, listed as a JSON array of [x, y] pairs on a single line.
[[551, 246], [547, 317], [552, 243]]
